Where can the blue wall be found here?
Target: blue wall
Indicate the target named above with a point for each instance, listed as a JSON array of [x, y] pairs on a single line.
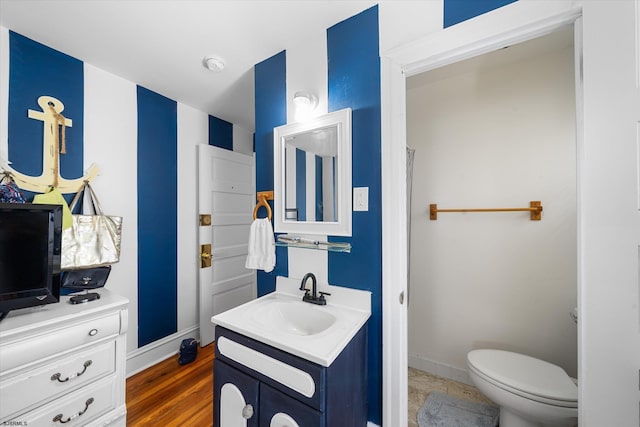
[[220, 133], [157, 216], [63, 79], [271, 112], [456, 11], [354, 81], [301, 184]]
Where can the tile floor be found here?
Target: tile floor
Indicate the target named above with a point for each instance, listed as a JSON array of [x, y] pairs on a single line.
[[422, 383]]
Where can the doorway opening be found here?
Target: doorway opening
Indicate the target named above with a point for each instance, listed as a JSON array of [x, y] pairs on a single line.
[[495, 130]]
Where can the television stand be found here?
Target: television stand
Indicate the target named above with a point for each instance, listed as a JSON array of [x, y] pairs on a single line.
[[84, 298]]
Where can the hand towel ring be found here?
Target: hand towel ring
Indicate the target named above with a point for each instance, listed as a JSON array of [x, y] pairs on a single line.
[[262, 197]]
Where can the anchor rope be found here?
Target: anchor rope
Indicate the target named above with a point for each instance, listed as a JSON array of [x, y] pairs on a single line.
[[60, 139]]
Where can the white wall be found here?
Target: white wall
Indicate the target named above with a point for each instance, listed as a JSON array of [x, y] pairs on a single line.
[[307, 71], [498, 137], [110, 141], [193, 129], [402, 22]]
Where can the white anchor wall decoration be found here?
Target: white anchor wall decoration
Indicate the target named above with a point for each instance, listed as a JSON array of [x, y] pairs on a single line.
[[50, 177]]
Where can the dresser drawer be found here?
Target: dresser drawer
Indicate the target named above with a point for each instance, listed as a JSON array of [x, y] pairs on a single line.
[[21, 353], [42, 384], [76, 409]]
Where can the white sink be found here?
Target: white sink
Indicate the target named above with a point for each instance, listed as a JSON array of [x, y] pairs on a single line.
[[282, 320], [293, 317]]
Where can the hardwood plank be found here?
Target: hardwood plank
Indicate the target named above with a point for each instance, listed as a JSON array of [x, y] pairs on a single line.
[[168, 394]]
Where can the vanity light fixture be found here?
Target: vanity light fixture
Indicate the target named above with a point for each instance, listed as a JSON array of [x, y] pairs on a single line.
[[305, 103], [213, 63]]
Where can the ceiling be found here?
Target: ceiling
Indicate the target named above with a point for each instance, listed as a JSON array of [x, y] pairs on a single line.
[[161, 44]]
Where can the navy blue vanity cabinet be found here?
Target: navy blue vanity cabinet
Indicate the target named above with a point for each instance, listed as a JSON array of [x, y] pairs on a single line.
[[274, 404], [312, 395], [240, 392]]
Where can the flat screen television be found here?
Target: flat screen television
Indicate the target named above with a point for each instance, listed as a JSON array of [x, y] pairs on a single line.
[[30, 244]]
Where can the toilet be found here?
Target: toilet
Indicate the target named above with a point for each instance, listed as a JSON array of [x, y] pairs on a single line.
[[530, 392]]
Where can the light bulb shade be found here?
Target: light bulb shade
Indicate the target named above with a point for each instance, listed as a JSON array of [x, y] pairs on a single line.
[[305, 103], [305, 100], [213, 63]]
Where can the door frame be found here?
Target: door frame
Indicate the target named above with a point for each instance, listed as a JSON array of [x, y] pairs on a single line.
[[495, 30]]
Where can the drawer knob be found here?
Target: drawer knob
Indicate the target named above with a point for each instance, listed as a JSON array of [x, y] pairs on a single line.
[[56, 376], [93, 332], [247, 412], [60, 418]]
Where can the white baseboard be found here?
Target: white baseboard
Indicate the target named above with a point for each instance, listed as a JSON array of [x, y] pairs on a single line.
[[147, 356], [440, 369]]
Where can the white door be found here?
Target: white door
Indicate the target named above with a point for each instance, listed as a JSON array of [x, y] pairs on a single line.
[[226, 191]]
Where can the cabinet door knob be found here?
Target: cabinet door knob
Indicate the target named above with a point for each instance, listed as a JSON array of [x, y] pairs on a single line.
[[247, 412], [93, 332]]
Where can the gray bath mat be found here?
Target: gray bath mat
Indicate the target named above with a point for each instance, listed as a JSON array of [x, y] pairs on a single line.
[[442, 410]]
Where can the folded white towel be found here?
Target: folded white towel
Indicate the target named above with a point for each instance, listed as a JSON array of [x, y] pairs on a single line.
[[262, 250]]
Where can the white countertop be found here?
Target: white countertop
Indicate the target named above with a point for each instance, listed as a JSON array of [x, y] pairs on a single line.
[[351, 308]]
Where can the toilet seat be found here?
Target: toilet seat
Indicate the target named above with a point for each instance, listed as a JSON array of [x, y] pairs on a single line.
[[525, 376]]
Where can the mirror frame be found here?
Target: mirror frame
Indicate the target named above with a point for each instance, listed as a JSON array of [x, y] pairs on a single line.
[[341, 227]]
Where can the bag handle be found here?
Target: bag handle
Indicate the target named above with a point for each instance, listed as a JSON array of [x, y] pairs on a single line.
[[95, 203], [73, 203], [93, 198]]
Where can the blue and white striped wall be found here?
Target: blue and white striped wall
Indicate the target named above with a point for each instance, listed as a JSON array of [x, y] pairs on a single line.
[[351, 79], [145, 147], [343, 69], [162, 302]]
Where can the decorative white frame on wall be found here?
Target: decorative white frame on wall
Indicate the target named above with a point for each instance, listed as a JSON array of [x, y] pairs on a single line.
[[502, 27]]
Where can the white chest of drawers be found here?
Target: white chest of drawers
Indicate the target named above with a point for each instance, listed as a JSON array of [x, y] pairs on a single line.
[[64, 364]]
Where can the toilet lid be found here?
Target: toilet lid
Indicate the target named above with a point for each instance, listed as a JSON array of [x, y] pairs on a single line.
[[525, 373]]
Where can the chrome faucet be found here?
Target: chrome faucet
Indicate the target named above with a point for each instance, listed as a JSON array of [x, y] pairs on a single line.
[[312, 297]]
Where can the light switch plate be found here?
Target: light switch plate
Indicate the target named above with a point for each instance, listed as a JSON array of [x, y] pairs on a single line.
[[360, 198]]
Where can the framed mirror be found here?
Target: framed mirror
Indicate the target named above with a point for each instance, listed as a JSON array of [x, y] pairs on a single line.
[[312, 176]]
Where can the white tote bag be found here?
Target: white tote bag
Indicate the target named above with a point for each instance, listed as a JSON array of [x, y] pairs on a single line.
[[92, 240]]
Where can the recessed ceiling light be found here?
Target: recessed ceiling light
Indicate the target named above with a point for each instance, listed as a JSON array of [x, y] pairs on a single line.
[[213, 63]]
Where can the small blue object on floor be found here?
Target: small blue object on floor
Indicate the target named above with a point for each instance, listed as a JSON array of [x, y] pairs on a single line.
[[188, 351], [442, 410]]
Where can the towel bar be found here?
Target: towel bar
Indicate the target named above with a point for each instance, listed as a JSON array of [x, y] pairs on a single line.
[[535, 207]]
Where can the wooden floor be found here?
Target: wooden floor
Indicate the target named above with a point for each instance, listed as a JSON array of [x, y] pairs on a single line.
[[168, 394]]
